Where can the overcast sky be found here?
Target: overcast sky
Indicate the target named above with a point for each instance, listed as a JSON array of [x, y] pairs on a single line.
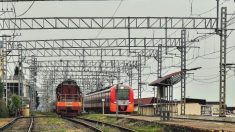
[[203, 84]]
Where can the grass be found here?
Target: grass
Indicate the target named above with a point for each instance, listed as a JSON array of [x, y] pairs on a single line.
[[51, 121], [54, 124], [4, 121], [62, 131], [139, 126], [148, 128], [43, 114], [100, 117]]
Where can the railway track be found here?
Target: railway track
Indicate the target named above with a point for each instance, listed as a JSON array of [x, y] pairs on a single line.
[[95, 122], [19, 124], [93, 128]]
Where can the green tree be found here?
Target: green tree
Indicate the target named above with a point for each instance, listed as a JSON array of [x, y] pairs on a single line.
[[3, 109], [1, 89], [14, 105]]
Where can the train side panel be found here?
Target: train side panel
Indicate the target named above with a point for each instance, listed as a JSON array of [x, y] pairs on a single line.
[[93, 101]]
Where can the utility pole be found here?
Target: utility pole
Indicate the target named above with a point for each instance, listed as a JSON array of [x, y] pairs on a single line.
[[5, 49], [83, 87], [117, 87], [33, 74], [154, 100], [113, 67], [159, 75], [217, 13], [223, 46], [20, 83], [53, 85], [129, 34], [183, 67], [139, 81], [166, 34], [130, 74]]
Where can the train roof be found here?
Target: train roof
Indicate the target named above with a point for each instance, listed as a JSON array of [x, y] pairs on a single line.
[[105, 88], [99, 90], [69, 81]]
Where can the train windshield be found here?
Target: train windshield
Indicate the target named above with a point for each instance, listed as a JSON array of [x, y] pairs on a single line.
[[123, 94]]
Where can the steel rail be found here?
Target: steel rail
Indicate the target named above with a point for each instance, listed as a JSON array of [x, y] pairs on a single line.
[[14, 120], [31, 124], [108, 124], [9, 124], [84, 124]]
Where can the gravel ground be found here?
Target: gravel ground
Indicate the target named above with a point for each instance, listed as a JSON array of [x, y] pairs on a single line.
[[212, 126], [21, 125], [55, 124]]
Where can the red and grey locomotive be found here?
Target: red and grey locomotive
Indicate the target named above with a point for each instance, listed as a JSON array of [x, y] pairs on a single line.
[[69, 98]]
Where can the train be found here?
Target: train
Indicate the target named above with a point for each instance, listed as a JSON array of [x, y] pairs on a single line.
[[121, 94], [69, 98]]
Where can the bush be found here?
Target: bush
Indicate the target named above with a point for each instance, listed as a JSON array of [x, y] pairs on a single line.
[[3, 109], [14, 105]]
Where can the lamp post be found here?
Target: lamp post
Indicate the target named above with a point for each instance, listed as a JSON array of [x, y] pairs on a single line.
[[176, 107], [154, 104], [154, 107], [103, 100]]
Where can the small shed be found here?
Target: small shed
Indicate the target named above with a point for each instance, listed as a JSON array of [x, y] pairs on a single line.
[[165, 92], [194, 106]]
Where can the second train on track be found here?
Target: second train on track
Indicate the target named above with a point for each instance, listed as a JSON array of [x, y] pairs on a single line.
[[121, 94]]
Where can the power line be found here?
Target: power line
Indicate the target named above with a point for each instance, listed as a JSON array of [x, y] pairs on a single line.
[[31, 5], [211, 82], [51, 0], [112, 16]]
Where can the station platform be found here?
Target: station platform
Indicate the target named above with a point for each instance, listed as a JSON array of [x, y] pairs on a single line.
[[206, 123], [228, 119]]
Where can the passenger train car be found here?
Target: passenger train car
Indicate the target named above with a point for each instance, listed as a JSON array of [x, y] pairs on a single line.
[[121, 94], [69, 98]]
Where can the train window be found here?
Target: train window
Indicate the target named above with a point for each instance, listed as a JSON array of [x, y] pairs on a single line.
[[69, 100], [123, 94]]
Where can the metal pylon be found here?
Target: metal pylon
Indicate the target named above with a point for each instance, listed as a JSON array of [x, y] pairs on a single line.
[[130, 74], [183, 68], [223, 43], [20, 76], [159, 59], [139, 80], [4, 55], [33, 74], [159, 75]]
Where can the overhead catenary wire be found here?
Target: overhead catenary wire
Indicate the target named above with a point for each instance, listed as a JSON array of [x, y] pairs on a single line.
[[31, 5], [116, 10]]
